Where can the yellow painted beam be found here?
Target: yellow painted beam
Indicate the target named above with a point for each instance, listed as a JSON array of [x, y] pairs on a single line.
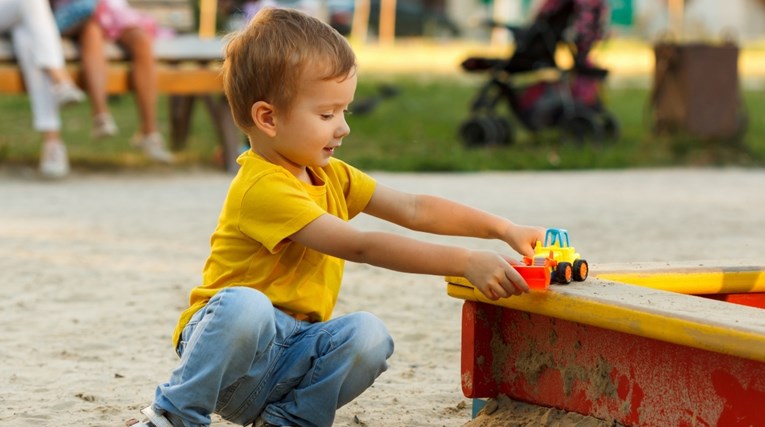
[[175, 80], [653, 313], [694, 281]]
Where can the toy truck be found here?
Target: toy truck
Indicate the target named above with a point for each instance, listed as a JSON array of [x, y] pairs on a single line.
[[559, 257], [555, 261], [536, 272]]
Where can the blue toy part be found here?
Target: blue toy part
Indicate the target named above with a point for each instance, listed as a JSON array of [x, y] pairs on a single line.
[[557, 236]]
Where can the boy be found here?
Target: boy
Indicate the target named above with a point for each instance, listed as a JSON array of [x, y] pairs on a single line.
[[257, 344]]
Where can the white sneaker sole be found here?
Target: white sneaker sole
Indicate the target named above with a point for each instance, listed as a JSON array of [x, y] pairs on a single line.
[[154, 419]]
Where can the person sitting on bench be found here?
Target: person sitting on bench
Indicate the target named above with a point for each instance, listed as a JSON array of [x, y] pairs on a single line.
[[37, 46], [115, 20]]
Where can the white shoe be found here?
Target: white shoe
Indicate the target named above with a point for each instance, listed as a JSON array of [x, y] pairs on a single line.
[[154, 419], [67, 94], [103, 126], [54, 161], [154, 146]]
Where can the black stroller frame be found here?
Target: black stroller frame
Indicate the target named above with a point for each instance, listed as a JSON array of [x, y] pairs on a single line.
[[555, 104]]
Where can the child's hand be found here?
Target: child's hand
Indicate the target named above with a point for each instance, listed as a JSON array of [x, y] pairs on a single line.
[[494, 275], [523, 238]]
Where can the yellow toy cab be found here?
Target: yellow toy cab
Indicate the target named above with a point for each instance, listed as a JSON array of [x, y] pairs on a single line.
[[564, 262]]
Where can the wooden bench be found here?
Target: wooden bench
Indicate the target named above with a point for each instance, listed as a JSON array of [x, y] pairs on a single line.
[[188, 70]]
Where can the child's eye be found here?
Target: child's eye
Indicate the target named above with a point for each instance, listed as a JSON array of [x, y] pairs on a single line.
[[330, 116]]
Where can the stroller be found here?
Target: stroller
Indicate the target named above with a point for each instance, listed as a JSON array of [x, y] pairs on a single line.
[[538, 93]]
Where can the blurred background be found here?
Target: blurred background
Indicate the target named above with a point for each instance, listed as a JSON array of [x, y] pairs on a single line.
[[643, 19], [680, 84]]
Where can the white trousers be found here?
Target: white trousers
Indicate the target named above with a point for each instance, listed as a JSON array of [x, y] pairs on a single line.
[[37, 45]]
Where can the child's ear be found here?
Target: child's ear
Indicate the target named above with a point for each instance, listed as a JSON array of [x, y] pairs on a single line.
[[263, 116]]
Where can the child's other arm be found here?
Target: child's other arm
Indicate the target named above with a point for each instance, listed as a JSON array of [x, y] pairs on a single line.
[[437, 215], [490, 272]]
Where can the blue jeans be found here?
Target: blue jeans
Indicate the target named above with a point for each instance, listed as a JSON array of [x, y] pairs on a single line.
[[242, 358]]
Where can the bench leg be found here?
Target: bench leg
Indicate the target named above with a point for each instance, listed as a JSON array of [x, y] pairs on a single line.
[[228, 134], [181, 109]]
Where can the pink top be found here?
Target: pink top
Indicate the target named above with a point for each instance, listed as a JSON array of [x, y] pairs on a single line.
[[116, 16]]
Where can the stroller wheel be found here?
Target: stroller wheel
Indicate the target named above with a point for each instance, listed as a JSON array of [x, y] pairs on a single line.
[[505, 131], [484, 130], [581, 128], [610, 127]]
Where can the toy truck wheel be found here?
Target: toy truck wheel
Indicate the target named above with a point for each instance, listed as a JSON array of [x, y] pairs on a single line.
[[563, 273], [581, 270]]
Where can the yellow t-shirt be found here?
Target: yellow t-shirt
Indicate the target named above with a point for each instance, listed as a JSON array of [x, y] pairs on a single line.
[[266, 204]]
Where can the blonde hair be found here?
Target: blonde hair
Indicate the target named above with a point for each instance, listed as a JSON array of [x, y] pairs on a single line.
[[267, 59]]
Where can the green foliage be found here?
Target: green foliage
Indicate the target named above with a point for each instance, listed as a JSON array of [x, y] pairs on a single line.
[[416, 130]]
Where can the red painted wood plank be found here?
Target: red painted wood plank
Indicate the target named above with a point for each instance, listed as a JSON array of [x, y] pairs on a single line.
[[604, 373], [754, 299]]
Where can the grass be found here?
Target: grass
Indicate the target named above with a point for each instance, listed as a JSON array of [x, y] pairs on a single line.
[[19, 144], [413, 131], [417, 131]]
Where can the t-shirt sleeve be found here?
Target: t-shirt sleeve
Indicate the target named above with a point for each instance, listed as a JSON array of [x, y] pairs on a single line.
[[274, 208], [358, 187]]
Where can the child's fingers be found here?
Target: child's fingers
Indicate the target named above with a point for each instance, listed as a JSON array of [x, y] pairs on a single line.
[[498, 290], [505, 288], [517, 282], [512, 261]]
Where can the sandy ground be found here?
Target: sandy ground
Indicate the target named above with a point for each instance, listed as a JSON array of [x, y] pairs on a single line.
[[96, 268]]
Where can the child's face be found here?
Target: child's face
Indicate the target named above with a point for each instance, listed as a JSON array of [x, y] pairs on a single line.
[[315, 125]]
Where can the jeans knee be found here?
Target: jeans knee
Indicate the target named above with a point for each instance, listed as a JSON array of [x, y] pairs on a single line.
[[246, 315], [372, 343]]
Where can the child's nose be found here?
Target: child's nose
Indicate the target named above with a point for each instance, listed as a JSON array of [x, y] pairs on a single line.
[[343, 130]]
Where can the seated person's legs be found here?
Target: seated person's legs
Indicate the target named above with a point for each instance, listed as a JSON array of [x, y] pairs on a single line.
[[48, 89], [140, 44], [92, 47], [144, 76]]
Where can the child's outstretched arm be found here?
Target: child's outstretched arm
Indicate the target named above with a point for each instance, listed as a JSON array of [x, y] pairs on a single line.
[[437, 215], [489, 271]]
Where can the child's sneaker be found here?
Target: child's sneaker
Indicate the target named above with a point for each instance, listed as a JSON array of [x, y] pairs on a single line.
[[67, 94], [54, 161], [154, 146], [153, 419], [103, 126]]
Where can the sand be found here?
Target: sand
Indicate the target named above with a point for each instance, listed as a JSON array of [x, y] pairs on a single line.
[[96, 268], [505, 412]]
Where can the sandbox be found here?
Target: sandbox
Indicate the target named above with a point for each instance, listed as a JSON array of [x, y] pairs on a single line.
[[637, 344]]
